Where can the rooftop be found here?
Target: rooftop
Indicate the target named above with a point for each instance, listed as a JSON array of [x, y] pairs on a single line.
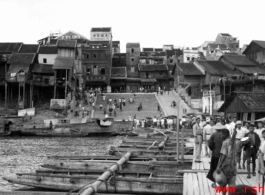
[[214, 46], [216, 68], [225, 34], [148, 49], [29, 48], [22, 58], [238, 60], [66, 43], [108, 29], [10, 47], [133, 45], [48, 50], [188, 69]]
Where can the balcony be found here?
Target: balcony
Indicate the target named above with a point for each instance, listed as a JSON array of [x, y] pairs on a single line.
[[96, 78]]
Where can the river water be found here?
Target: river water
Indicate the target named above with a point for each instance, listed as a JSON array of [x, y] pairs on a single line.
[[26, 154]]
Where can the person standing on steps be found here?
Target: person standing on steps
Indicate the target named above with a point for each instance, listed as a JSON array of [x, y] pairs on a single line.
[[197, 132]]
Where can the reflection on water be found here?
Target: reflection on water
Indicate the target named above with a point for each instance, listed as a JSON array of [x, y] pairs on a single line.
[[26, 154]]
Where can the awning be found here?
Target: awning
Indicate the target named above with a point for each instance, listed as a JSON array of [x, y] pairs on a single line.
[[42, 68], [148, 80], [15, 68], [63, 63]]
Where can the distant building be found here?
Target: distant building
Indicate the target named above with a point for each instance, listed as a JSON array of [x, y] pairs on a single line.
[[133, 51], [168, 47], [256, 51], [228, 40], [189, 55], [101, 34], [215, 51], [116, 47]]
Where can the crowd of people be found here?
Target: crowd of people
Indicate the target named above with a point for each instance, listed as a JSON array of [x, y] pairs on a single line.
[[226, 153]]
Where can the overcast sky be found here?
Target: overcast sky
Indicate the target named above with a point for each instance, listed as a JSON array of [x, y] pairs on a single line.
[[153, 23]]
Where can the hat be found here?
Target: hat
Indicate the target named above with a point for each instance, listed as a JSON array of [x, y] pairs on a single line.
[[198, 117], [239, 123], [219, 126], [208, 119]]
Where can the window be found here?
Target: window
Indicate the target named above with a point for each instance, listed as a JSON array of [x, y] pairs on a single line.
[[188, 58], [102, 71], [171, 61], [132, 59], [88, 71], [95, 55], [132, 69], [87, 56], [132, 50], [44, 60], [95, 70], [115, 50], [147, 75]]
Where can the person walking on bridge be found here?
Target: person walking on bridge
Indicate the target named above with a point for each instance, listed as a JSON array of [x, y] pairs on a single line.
[[197, 132]]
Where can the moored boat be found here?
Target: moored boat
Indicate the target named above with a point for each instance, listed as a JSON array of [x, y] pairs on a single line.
[[115, 184], [159, 168]]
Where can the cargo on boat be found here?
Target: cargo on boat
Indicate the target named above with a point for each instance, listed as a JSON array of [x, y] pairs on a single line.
[[115, 184]]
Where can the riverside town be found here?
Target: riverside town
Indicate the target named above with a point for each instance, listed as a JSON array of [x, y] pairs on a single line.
[[87, 110]]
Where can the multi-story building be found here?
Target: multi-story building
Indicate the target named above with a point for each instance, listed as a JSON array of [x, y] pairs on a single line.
[[228, 40], [116, 47], [96, 62], [189, 55], [133, 51], [119, 60]]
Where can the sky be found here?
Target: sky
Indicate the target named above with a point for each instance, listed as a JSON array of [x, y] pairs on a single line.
[[152, 23]]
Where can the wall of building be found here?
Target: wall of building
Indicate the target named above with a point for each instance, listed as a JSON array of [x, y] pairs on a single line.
[[49, 57], [132, 64], [190, 54]]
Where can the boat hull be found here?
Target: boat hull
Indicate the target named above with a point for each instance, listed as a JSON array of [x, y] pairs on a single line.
[[77, 130], [114, 184]]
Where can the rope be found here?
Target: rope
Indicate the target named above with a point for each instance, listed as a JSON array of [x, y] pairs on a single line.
[[152, 145]]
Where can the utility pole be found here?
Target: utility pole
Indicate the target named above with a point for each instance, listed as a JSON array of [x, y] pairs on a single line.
[[177, 115]]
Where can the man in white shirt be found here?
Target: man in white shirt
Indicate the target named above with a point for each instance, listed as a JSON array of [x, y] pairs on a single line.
[[259, 130], [240, 134], [233, 123], [229, 127], [207, 132], [262, 153]]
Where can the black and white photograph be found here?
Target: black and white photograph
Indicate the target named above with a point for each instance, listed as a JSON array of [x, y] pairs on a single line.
[[132, 97]]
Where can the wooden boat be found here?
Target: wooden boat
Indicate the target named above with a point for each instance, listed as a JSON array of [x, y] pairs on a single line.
[[158, 168], [115, 184], [137, 151], [46, 193], [75, 128], [171, 138], [93, 172], [117, 157], [146, 147]]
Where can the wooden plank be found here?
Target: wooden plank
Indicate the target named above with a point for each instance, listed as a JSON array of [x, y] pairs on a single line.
[[202, 185], [190, 186], [212, 190], [185, 184], [196, 185]]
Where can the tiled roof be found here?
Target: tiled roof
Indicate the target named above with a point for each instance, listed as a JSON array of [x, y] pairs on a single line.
[[29, 48], [66, 43], [118, 72], [178, 52], [238, 60], [152, 67], [133, 45], [100, 29], [216, 68], [159, 54], [214, 46], [260, 43], [10, 47], [48, 50], [22, 58], [251, 102], [53, 41], [43, 68], [188, 69], [251, 69], [148, 49]]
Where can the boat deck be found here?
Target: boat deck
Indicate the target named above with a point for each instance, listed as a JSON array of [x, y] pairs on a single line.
[[196, 183]]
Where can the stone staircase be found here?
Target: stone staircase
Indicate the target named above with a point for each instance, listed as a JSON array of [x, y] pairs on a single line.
[[148, 100]]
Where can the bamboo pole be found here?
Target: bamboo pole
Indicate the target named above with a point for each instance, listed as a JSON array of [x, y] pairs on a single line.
[[177, 137], [90, 189], [5, 88]]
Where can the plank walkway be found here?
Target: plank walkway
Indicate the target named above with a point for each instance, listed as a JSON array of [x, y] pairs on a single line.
[[196, 183]]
